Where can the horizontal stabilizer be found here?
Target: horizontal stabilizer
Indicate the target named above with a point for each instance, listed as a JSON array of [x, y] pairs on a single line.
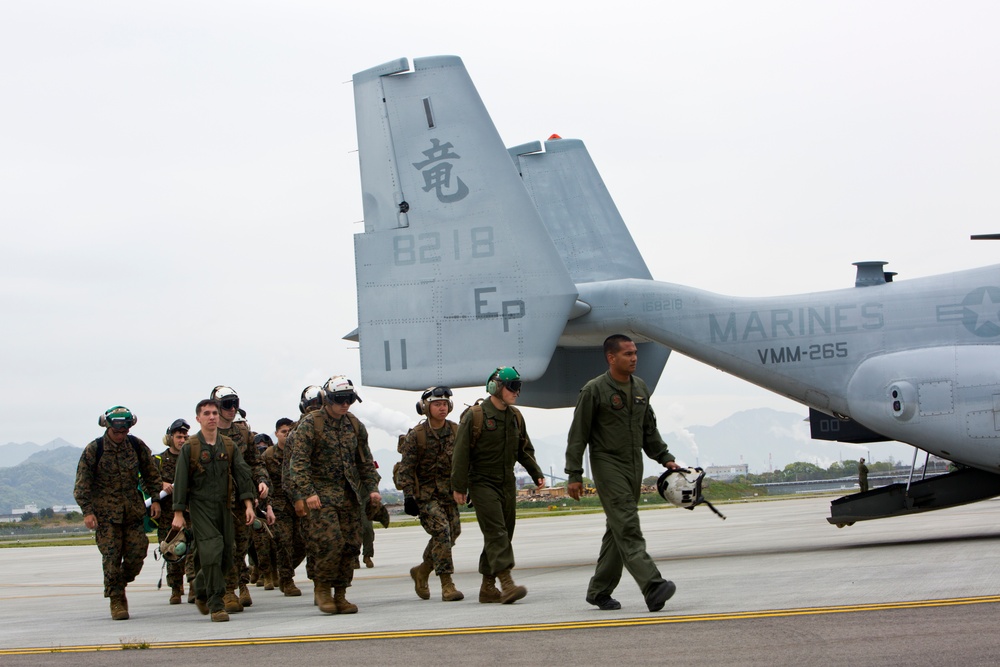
[[573, 367], [456, 274]]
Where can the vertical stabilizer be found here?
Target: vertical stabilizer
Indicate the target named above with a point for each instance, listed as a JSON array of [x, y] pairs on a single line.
[[579, 213], [595, 245], [456, 273]]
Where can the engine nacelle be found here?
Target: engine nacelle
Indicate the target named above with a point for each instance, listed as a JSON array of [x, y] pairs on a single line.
[[945, 400]]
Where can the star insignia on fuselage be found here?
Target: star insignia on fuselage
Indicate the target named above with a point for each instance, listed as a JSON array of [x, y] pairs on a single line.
[[981, 311]]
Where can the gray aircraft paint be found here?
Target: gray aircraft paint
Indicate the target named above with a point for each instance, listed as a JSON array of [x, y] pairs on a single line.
[[475, 256]]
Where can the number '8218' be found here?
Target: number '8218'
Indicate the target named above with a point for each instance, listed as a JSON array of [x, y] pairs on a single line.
[[432, 247]]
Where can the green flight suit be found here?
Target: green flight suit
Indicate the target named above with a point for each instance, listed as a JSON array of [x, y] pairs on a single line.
[[619, 425], [204, 493], [485, 470]]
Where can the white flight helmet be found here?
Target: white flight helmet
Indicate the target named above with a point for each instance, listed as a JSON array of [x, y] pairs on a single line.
[[312, 397], [682, 487]]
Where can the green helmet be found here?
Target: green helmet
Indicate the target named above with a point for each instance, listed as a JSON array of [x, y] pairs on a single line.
[[504, 376], [118, 417]]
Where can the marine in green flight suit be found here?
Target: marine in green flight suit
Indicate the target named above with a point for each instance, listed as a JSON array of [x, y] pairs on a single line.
[[614, 417], [483, 469], [204, 493]]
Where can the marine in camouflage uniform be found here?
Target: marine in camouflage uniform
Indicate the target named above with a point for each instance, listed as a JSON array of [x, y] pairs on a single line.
[[310, 401], [107, 491], [287, 528], [166, 463], [240, 433], [424, 477], [483, 469], [330, 468], [262, 551], [614, 416]]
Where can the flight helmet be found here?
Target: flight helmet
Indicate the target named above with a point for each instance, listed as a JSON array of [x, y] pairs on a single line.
[[682, 487], [227, 397], [175, 547], [432, 394], [504, 376], [312, 397], [119, 417], [178, 425], [339, 389]]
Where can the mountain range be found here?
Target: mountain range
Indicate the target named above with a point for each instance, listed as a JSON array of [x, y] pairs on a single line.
[[763, 438]]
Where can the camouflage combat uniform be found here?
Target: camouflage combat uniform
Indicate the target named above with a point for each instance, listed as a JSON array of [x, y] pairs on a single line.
[[293, 497], [166, 463], [204, 493], [287, 528], [329, 458], [241, 434], [425, 474], [109, 489], [485, 470]]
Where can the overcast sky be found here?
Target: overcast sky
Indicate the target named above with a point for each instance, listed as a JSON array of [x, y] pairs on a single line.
[[179, 187]]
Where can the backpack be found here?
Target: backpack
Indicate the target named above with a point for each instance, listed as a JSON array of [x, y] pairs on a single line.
[[320, 422], [132, 440], [421, 436], [477, 421]]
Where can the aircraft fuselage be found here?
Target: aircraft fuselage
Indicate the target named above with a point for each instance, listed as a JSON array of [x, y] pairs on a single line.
[[914, 360]]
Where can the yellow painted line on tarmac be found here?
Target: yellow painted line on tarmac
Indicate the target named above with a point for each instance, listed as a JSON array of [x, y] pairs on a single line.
[[496, 629]]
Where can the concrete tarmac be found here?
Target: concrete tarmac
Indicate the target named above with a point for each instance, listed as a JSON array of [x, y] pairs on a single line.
[[771, 584]]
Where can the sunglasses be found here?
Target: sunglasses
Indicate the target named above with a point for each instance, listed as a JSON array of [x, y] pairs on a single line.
[[229, 404], [514, 386], [120, 424], [344, 399]]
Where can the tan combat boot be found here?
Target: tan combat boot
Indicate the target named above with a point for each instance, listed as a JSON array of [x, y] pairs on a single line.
[[509, 591], [245, 596], [488, 590], [269, 580], [118, 610], [220, 616], [255, 575], [368, 562], [232, 602], [176, 593], [324, 601], [420, 574], [343, 606], [290, 589], [448, 591]]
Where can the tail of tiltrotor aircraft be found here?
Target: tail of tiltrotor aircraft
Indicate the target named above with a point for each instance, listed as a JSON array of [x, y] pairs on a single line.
[[463, 266], [595, 245]]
